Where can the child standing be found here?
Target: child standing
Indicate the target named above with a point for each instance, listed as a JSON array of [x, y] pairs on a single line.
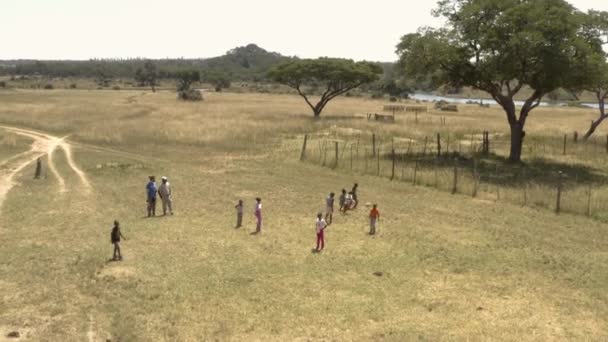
[[258, 215], [320, 228], [115, 237], [343, 201], [329, 211], [374, 217], [239, 214], [354, 194]]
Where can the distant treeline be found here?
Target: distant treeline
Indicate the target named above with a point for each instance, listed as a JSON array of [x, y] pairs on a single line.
[[248, 63], [243, 64]]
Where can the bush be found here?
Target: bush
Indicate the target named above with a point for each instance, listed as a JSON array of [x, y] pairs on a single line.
[[190, 95], [2, 84], [115, 88], [73, 86], [48, 86], [392, 99], [377, 95]]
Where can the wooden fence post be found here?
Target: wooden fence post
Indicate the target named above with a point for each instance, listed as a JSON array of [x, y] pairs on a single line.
[[415, 172], [589, 201], [366, 160], [438, 144], [324, 154], [523, 172], [559, 193], [337, 154], [475, 178], [378, 155], [606, 143], [575, 137], [447, 145], [373, 145], [303, 153], [565, 142], [455, 185], [426, 141], [393, 170], [351, 156]]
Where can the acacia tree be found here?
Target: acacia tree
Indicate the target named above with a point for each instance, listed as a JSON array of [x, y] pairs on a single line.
[[333, 76], [147, 75], [595, 75], [500, 47]]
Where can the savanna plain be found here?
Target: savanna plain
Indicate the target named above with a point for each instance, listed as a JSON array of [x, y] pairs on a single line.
[[443, 266]]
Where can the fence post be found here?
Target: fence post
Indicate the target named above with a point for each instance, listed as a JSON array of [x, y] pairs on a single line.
[[351, 156], [415, 172], [378, 155], [324, 154], [438, 144], [447, 145], [337, 154], [589, 201], [455, 185], [373, 144], [303, 153], [606, 143], [426, 141], [565, 142], [575, 137], [366, 161], [393, 170], [523, 172], [559, 193], [475, 178]]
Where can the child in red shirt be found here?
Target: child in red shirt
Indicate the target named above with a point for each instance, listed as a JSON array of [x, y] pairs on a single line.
[[374, 217]]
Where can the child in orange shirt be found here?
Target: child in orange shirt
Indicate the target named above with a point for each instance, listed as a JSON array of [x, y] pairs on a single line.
[[374, 217]]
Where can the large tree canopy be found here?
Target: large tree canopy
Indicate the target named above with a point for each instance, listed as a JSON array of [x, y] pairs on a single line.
[[594, 77], [333, 76], [501, 46]]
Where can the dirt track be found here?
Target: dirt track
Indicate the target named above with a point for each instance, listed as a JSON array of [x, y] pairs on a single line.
[[43, 144]]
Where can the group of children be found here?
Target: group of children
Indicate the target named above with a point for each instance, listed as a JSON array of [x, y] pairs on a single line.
[[348, 201], [257, 212]]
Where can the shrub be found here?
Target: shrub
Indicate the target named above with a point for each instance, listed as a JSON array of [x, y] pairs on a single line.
[[190, 95], [2, 84], [48, 86], [377, 95], [73, 86], [115, 88], [392, 99]]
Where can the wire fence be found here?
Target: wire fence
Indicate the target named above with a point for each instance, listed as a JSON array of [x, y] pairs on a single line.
[[474, 165]]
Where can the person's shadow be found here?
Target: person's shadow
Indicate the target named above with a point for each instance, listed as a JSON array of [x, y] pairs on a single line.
[[315, 251]]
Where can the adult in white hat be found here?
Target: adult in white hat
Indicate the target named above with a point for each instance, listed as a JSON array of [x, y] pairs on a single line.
[[164, 191]]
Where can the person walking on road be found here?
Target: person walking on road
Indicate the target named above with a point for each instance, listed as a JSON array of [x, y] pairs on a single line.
[[320, 226], [374, 217], [115, 237], [164, 191], [151, 196], [258, 215]]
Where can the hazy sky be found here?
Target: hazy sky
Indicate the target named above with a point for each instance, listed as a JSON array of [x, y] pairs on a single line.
[[83, 29]]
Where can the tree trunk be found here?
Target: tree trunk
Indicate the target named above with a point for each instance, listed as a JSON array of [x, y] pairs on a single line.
[[594, 125], [517, 140]]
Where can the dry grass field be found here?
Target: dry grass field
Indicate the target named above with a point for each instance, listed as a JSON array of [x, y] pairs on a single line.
[[453, 267]]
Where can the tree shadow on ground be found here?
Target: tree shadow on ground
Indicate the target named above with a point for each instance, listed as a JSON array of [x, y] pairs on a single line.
[[496, 169]]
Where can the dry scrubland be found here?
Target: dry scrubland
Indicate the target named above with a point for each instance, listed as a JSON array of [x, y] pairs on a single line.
[[454, 268]]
